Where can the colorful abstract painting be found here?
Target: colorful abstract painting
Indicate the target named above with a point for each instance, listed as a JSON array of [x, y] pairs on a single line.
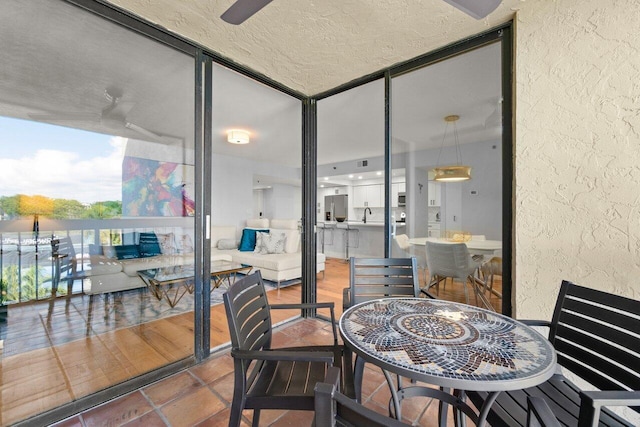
[[154, 188]]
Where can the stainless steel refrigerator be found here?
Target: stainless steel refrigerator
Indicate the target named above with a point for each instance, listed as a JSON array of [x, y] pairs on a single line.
[[336, 207]]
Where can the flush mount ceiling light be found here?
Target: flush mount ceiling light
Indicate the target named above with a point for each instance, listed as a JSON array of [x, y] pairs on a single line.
[[455, 172], [238, 136]]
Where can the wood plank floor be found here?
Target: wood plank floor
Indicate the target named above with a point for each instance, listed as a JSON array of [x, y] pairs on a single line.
[[43, 379]]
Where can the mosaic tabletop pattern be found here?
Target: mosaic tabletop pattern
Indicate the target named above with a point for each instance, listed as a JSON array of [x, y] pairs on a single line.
[[448, 344]]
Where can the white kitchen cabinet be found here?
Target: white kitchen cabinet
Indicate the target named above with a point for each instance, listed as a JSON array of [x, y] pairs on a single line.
[[359, 196], [434, 192], [371, 196]]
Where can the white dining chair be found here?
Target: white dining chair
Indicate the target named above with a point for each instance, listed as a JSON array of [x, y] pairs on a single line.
[[409, 250], [451, 260]]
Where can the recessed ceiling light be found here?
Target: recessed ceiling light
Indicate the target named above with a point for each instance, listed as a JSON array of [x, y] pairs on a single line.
[[326, 178], [379, 173], [360, 177], [350, 176], [321, 185]]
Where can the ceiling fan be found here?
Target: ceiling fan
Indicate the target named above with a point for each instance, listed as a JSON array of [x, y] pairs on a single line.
[[116, 110], [114, 114], [242, 10]]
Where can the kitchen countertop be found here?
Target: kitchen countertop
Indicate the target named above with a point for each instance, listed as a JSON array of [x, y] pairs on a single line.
[[355, 224]]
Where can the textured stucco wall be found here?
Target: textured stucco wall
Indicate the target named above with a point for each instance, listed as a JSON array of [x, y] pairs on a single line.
[[577, 150]]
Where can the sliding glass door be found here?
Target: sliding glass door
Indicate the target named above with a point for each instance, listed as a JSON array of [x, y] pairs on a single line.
[[447, 117], [96, 174]]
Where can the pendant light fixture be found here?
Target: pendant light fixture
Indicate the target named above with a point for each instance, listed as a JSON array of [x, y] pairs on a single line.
[[457, 172]]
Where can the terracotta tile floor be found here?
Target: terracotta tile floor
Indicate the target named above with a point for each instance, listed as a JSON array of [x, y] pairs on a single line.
[[201, 395]]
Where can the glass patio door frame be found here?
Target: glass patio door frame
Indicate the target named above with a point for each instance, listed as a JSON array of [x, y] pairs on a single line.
[[501, 34]]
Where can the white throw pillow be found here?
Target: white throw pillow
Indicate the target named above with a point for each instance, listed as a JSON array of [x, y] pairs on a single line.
[[275, 243], [270, 243], [260, 247], [167, 243], [293, 239]]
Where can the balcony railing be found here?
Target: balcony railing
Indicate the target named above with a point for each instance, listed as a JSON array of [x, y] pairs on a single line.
[[26, 265]]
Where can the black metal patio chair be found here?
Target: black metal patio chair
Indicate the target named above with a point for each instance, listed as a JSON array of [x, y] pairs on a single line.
[[274, 378], [595, 335], [373, 278]]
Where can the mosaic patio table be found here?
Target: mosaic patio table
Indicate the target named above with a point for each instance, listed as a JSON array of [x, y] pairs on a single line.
[[450, 345]]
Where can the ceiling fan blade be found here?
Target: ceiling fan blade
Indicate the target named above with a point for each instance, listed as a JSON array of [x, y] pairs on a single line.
[[118, 109], [242, 10], [478, 9], [167, 139]]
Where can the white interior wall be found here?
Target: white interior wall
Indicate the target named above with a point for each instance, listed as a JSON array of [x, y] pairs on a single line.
[[231, 191], [282, 201], [483, 210], [233, 195], [577, 161]]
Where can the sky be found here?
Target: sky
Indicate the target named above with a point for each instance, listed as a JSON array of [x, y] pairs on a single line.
[[59, 162]]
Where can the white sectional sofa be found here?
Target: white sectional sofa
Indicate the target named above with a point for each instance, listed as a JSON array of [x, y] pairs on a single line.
[[276, 267], [108, 274]]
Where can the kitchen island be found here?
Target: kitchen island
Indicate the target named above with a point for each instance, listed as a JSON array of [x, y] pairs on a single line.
[[353, 238]]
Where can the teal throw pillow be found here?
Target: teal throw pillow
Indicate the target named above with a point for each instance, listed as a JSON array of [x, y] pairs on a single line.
[[148, 245], [248, 240], [127, 251]]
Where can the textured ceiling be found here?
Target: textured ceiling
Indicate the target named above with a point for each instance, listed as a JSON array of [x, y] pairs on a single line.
[[315, 45]]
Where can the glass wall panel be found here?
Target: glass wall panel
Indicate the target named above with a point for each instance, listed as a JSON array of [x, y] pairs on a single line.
[[256, 184], [449, 114], [96, 184], [350, 198]]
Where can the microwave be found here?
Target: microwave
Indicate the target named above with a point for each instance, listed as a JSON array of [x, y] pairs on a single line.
[[402, 199]]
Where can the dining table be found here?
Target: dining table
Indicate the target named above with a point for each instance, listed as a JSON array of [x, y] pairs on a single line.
[[475, 246], [453, 346]]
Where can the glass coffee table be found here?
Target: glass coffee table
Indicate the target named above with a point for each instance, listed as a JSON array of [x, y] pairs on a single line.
[[174, 282]]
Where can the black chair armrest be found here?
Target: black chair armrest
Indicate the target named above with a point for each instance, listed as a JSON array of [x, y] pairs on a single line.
[[535, 322], [329, 305], [303, 305], [592, 401], [291, 355]]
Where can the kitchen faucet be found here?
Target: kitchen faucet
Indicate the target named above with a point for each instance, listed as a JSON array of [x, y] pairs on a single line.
[[364, 218]]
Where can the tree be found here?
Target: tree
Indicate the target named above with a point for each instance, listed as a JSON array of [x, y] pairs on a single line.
[[101, 210], [25, 289], [67, 209], [35, 205], [10, 205]]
